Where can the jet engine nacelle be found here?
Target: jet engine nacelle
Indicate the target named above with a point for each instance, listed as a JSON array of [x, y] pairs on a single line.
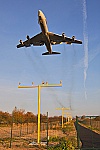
[[63, 35], [28, 38], [73, 38], [21, 42]]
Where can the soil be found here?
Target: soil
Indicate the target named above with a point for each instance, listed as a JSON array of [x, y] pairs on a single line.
[[22, 142]]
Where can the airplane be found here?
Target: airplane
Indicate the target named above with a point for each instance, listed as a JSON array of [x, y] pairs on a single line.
[[47, 38]]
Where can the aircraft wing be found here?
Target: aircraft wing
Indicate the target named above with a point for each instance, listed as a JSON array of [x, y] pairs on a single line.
[[37, 40], [58, 39]]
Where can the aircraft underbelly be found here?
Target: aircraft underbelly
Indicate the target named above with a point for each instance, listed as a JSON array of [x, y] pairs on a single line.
[[48, 44], [44, 28]]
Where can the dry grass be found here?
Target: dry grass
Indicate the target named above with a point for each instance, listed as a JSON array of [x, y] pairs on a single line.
[[22, 142]]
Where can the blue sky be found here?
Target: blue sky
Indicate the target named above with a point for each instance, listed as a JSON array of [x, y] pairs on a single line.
[[26, 65]]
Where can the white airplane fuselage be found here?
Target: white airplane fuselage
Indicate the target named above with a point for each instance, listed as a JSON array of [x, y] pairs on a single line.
[[47, 38], [43, 24]]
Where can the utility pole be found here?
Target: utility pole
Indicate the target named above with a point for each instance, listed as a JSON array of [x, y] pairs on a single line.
[[63, 108], [39, 88]]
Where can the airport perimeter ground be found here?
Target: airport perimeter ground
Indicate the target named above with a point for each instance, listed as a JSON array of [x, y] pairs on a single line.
[[22, 143]]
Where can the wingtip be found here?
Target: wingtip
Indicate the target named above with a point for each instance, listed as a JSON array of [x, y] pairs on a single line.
[[80, 42], [17, 46]]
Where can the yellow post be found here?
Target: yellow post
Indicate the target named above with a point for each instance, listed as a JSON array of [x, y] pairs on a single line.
[[63, 108], [62, 117], [39, 113], [39, 88]]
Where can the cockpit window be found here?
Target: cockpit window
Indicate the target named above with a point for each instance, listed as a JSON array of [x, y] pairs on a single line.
[[39, 17]]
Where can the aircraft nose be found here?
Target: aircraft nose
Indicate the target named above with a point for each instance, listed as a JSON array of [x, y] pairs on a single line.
[[39, 12]]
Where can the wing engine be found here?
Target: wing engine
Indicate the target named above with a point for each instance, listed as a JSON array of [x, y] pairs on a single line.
[[21, 42], [28, 38], [73, 38], [26, 43], [63, 35]]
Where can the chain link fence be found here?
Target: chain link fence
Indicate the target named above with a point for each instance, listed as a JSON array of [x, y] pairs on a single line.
[[23, 134]]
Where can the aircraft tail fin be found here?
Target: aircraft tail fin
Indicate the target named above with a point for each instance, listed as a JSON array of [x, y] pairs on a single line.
[[47, 53]]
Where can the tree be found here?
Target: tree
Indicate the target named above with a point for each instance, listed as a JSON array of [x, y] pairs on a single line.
[[18, 115], [30, 117], [97, 118]]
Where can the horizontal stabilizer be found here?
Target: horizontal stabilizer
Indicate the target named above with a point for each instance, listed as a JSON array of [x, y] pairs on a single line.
[[47, 53]]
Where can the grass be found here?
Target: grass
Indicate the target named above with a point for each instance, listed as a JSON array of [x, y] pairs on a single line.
[[59, 139]]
